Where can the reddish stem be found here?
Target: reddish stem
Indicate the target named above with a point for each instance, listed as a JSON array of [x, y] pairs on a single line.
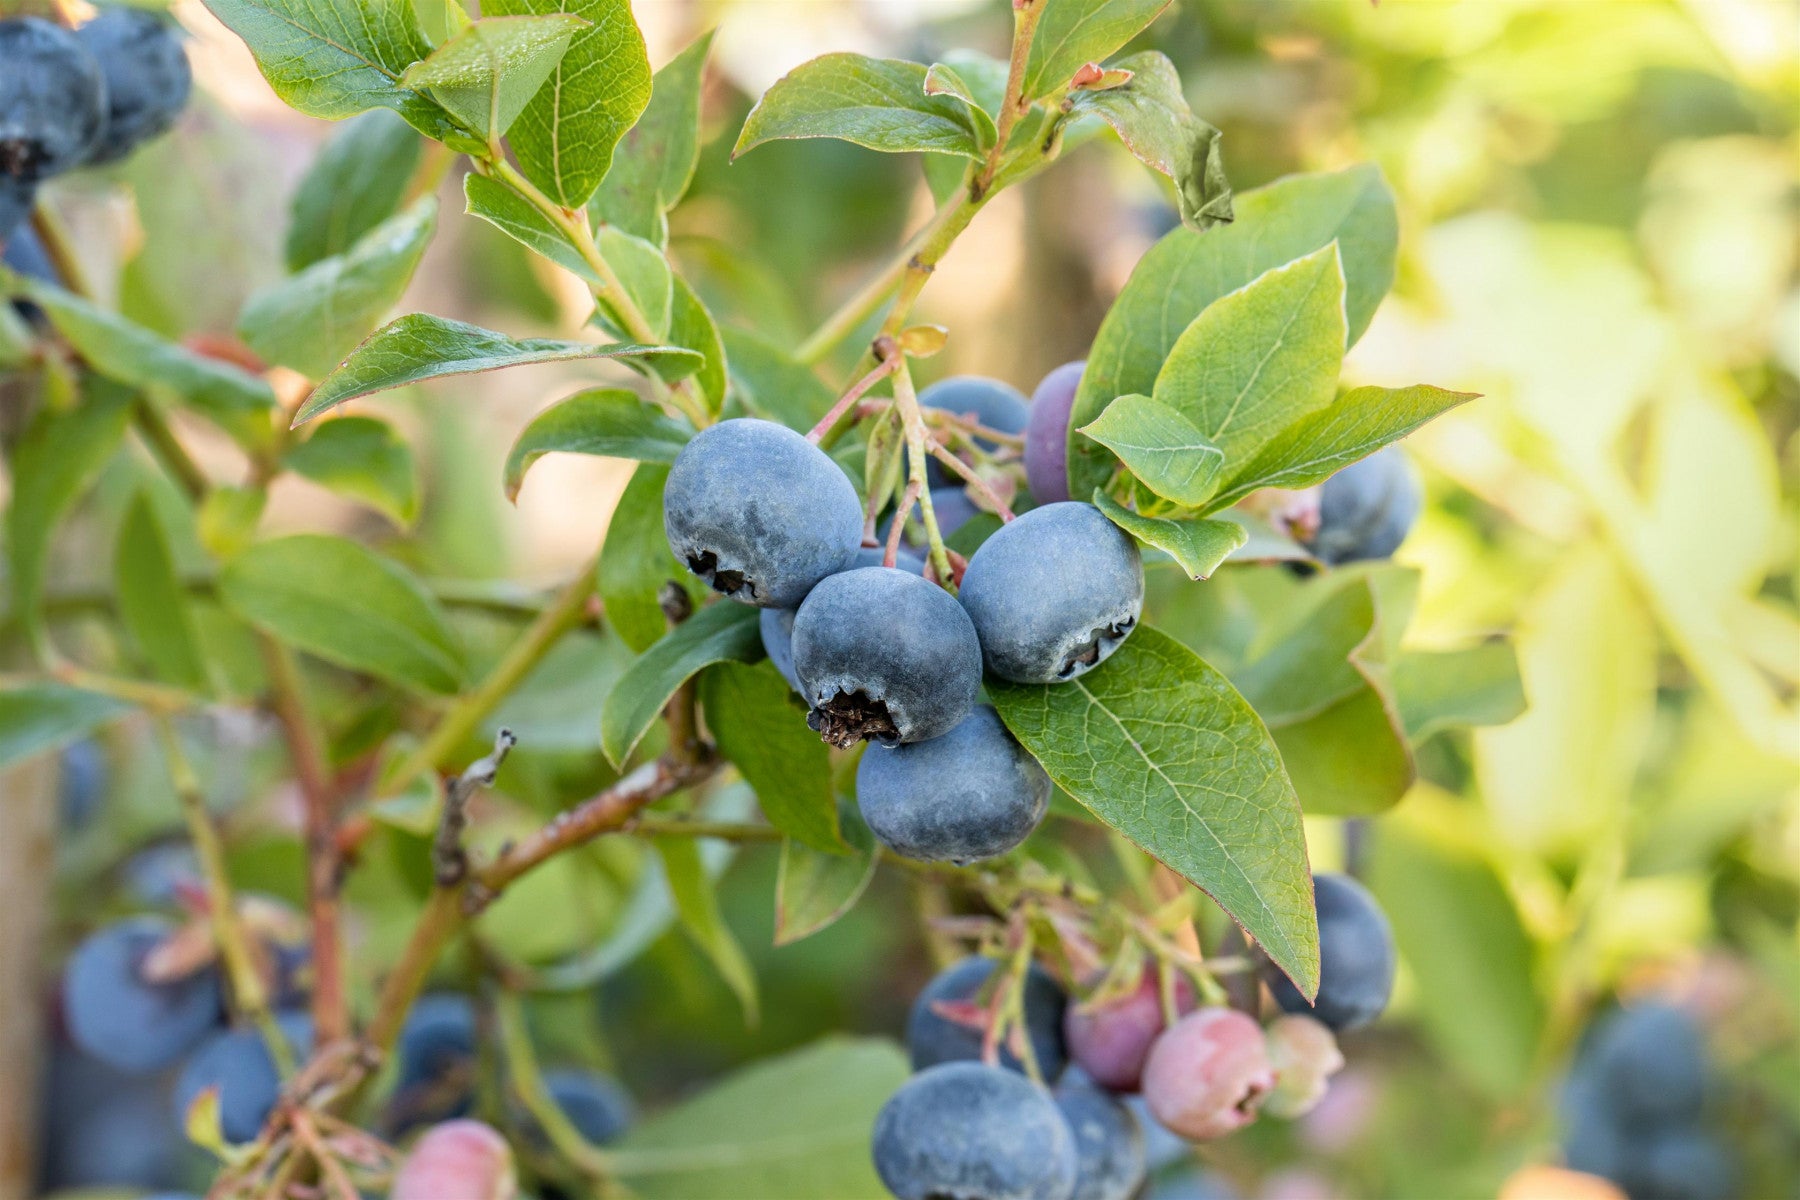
[[884, 368], [975, 481], [892, 554]]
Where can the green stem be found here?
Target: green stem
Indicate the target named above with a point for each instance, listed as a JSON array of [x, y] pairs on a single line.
[[913, 419], [527, 1080]]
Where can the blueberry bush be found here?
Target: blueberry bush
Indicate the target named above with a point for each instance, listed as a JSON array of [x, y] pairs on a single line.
[[1061, 690]]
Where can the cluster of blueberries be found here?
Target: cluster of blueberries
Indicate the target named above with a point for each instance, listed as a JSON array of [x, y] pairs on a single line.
[[886, 655], [83, 97], [980, 1130], [1633, 1108]]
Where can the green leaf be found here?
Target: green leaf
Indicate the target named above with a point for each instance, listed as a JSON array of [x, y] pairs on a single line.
[[565, 137], [772, 383], [54, 464], [42, 717], [1187, 271], [655, 160], [228, 517], [760, 726], [795, 1126], [635, 562], [1445, 689], [941, 79], [697, 904], [1161, 447], [692, 327], [716, 633], [357, 181], [813, 889], [515, 216], [419, 346], [646, 275], [557, 707], [605, 421], [1198, 545], [1073, 33], [1152, 118], [335, 60], [364, 459], [348, 605], [128, 353], [1159, 746], [310, 321], [1257, 361], [879, 103], [1353, 426], [153, 605], [488, 71]]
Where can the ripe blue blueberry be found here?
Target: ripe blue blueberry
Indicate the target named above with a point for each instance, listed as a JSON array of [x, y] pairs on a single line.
[[16, 199], [965, 1131], [950, 507], [82, 784], [1649, 1060], [157, 875], [885, 655], [1592, 1139], [777, 624], [102, 1127], [147, 78], [436, 1056], [1047, 434], [932, 1037], [1680, 1164], [967, 795], [124, 1019], [1053, 593], [759, 512], [1109, 1144], [1367, 509], [239, 1065], [52, 100], [597, 1106], [992, 404], [1191, 1183], [1356, 958]]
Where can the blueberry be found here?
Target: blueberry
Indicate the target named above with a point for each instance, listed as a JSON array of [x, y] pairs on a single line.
[[950, 506], [1208, 1073], [993, 404], [597, 1106], [1047, 434], [82, 784], [239, 1065], [1109, 1143], [436, 1055], [1680, 1164], [104, 1127], [1192, 1183], [1111, 1041], [458, 1160], [778, 623], [1650, 1061], [933, 1038], [1305, 1057], [52, 100], [16, 199], [1356, 958], [967, 795], [965, 1131], [147, 78], [156, 875], [1367, 509], [1053, 593], [1593, 1141], [759, 512], [123, 1019], [886, 655]]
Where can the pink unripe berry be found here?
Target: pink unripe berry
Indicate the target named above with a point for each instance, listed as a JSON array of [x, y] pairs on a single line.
[[458, 1160], [1208, 1073], [1111, 1042], [1305, 1056]]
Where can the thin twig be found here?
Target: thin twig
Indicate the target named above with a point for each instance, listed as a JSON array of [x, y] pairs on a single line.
[[450, 861]]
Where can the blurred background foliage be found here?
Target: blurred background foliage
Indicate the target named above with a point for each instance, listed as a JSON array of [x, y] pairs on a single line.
[[1599, 233]]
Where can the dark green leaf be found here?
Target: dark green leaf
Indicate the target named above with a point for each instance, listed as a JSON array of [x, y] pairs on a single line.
[[364, 459], [1073, 33], [48, 716], [1445, 689], [564, 139], [795, 1127], [310, 321], [348, 605], [1159, 746], [1161, 447], [419, 346], [605, 421], [772, 384], [812, 889], [153, 605], [515, 216], [1187, 271], [1198, 545], [760, 726], [1355, 425], [1152, 118], [358, 181], [697, 904], [717, 633], [635, 562], [655, 160], [487, 72], [879, 103]]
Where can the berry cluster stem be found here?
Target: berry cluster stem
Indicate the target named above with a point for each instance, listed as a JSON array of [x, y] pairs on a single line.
[[916, 437]]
